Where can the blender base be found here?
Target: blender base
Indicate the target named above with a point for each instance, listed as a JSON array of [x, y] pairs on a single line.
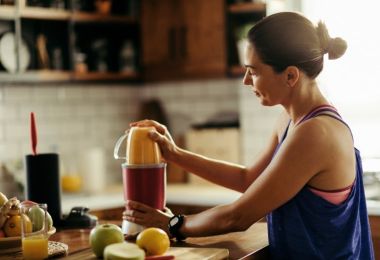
[[130, 228]]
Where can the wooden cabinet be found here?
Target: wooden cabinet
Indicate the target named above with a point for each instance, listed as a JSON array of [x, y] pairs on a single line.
[[70, 40], [183, 38], [375, 230], [159, 39]]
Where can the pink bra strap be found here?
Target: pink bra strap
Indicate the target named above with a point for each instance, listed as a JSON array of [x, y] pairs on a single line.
[[318, 110]]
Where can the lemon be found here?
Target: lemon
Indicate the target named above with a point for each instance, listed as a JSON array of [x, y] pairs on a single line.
[[154, 241], [71, 183], [12, 227]]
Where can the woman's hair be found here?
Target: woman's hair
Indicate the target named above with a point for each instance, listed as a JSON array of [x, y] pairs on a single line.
[[290, 39]]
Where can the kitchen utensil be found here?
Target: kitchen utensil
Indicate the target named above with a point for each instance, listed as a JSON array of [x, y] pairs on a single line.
[[145, 184], [144, 174], [140, 148], [43, 183], [92, 167], [33, 133], [8, 55]]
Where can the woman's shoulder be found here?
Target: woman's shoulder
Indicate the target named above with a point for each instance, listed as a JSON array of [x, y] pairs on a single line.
[[324, 130]]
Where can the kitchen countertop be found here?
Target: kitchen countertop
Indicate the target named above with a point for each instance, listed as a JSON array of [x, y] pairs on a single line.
[[184, 194], [249, 244]]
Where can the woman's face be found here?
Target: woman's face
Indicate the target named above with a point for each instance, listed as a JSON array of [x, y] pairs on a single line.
[[268, 86]]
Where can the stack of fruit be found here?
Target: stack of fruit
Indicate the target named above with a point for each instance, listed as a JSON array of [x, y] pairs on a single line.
[[10, 218], [107, 241]]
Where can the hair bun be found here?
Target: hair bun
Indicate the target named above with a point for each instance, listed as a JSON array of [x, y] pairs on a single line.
[[336, 48]]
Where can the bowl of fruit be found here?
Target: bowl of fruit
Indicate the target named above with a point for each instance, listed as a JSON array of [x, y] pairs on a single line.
[[10, 223]]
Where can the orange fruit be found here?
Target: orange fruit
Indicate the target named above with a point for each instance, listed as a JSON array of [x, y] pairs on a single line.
[[154, 241], [12, 227]]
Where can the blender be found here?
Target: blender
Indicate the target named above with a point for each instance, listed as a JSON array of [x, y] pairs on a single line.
[[144, 172]]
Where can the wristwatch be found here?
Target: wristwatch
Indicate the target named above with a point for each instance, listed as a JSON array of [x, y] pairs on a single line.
[[175, 223]]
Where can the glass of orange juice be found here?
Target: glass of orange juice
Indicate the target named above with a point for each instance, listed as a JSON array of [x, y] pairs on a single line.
[[34, 230]]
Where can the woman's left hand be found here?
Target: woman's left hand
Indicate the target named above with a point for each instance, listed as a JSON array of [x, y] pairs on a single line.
[[147, 216]]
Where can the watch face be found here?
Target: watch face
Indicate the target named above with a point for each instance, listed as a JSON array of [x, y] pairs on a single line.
[[173, 221]]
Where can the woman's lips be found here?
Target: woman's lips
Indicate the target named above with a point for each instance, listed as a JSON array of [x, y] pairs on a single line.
[[256, 93]]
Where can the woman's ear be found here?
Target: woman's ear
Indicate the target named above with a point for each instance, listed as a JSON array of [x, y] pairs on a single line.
[[292, 75]]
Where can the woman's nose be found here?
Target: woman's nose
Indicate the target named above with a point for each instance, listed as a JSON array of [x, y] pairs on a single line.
[[247, 80]]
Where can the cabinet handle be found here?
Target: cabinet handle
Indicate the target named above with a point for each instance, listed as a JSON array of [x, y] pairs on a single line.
[[172, 43], [183, 41]]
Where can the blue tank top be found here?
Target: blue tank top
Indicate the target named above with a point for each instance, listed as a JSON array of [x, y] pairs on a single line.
[[309, 227]]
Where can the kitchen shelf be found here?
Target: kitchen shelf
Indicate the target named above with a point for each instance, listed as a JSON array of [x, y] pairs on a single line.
[[36, 76], [7, 12], [64, 76], [41, 13], [60, 40], [114, 76], [240, 18], [85, 17], [246, 8]]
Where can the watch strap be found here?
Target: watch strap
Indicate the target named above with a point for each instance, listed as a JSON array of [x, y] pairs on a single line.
[[174, 229]]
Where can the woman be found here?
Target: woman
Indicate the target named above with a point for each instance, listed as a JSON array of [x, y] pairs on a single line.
[[308, 179]]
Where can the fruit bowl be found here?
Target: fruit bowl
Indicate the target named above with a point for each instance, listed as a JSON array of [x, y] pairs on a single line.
[[13, 244]]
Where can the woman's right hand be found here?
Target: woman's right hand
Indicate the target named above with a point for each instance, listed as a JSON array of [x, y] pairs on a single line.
[[161, 136]]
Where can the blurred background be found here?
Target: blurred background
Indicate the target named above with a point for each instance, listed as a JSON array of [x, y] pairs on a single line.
[[89, 68]]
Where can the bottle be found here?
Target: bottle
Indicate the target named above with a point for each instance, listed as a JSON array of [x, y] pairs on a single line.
[[127, 57]]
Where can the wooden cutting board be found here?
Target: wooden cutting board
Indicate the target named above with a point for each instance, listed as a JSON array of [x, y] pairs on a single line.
[[180, 253]]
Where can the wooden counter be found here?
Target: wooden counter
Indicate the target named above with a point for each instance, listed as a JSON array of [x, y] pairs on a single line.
[[250, 244]]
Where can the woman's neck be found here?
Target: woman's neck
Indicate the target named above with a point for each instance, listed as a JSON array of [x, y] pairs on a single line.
[[303, 99]]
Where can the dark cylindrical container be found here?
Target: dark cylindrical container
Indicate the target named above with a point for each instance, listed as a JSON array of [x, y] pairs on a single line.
[[42, 183]]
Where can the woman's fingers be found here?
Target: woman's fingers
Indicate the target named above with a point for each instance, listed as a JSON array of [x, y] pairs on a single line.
[[160, 128], [134, 205], [138, 221], [157, 137]]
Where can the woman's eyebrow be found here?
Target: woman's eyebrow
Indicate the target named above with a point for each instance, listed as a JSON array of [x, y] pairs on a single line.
[[249, 66]]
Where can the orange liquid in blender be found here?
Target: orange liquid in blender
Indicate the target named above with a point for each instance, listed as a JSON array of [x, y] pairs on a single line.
[[141, 149], [145, 184]]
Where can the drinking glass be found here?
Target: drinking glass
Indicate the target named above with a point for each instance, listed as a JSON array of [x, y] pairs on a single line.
[[34, 230]]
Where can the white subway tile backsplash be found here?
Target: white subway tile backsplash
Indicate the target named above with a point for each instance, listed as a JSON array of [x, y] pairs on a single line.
[[16, 131], [2, 135], [17, 93], [9, 111], [45, 93], [96, 92], [72, 118]]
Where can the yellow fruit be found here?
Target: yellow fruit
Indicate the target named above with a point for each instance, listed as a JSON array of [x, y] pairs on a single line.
[[71, 183], [154, 241], [3, 199], [12, 227]]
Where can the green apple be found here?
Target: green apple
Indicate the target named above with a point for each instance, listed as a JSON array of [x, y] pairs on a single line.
[[104, 235], [37, 216], [123, 251], [3, 199]]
